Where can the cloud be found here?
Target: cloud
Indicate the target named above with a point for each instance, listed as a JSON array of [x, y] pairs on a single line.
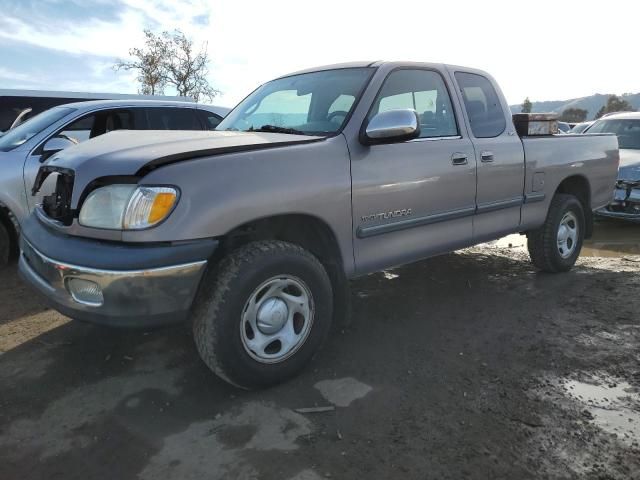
[[13, 76], [109, 30], [251, 42], [33, 67], [49, 48]]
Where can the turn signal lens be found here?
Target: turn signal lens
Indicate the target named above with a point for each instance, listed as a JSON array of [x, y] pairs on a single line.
[[162, 205], [148, 206]]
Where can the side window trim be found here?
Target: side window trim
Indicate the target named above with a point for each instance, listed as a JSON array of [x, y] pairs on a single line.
[[445, 80]]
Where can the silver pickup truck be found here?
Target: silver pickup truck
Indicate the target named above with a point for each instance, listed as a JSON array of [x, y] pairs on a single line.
[[251, 232]]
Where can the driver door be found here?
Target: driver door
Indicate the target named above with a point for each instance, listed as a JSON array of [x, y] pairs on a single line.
[[414, 198]]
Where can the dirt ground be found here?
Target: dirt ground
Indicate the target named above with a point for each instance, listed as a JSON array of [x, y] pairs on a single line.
[[469, 365]]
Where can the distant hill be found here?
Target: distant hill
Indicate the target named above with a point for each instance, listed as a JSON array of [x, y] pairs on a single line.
[[592, 104]]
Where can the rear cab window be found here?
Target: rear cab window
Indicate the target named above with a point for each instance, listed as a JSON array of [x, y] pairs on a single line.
[[482, 104], [423, 91]]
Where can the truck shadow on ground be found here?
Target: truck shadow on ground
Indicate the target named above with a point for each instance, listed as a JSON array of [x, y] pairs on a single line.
[[455, 348]]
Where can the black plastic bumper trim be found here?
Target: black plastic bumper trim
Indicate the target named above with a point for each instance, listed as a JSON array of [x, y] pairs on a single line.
[[92, 253]]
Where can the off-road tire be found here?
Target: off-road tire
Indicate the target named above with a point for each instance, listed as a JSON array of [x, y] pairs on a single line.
[[542, 242], [222, 296]]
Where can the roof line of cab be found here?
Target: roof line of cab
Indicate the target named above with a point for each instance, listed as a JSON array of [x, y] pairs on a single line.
[[379, 63]]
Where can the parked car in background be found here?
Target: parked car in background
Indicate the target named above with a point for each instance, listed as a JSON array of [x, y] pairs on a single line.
[[24, 148], [17, 106], [626, 197], [581, 127], [252, 231]]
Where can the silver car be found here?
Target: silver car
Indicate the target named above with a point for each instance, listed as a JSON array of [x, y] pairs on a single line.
[[626, 196], [24, 148]]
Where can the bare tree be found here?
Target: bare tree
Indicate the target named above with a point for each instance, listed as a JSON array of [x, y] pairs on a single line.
[[170, 59], [149, 62], [187, 70]]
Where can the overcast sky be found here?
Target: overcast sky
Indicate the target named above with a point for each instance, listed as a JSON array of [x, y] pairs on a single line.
[[547, 50]]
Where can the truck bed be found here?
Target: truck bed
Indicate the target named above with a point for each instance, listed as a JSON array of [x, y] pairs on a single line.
[[595, 161]]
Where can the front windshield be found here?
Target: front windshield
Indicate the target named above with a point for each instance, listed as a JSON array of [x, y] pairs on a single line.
[[628, 131], [22, 133], [315, 103]]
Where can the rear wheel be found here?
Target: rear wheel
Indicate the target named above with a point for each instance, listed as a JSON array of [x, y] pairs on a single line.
[[262, 313], [556, 245]]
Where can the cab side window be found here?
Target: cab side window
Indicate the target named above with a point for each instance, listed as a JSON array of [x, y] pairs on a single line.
[[99, 123], [423, 91], [162, 118], [481, 101]]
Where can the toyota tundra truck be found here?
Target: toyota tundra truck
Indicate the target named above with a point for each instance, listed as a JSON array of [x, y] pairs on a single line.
[[250, 233]]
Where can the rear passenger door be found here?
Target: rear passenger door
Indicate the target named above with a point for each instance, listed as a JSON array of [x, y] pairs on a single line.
[[499, 154], [414, 198]]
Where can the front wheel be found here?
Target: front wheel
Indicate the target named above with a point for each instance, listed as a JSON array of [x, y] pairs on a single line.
[[262, 313], [556, 245]]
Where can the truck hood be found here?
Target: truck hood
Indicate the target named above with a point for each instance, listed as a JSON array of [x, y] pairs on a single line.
[[629, 169], [136, 153], [130, 152]]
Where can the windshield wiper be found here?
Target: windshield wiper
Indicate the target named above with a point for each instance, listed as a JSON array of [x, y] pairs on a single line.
[[276, 129]]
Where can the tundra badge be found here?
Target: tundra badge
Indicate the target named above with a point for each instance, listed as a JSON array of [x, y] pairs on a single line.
[[405, 212]]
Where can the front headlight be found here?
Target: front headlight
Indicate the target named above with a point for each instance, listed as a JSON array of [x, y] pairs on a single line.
[[127, 207]]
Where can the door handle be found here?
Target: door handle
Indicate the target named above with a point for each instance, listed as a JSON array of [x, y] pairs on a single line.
[[486, 157], [459, 159]]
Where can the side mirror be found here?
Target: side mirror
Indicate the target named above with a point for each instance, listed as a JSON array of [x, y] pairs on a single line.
[[54, 145], [392, 126]]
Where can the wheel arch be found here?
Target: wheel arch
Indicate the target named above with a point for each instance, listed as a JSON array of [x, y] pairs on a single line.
[[579, 186], [305, 230], [308, 231]]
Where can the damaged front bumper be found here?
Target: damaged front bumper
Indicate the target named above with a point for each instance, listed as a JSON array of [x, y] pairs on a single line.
[[113, 283], [625, 204]]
